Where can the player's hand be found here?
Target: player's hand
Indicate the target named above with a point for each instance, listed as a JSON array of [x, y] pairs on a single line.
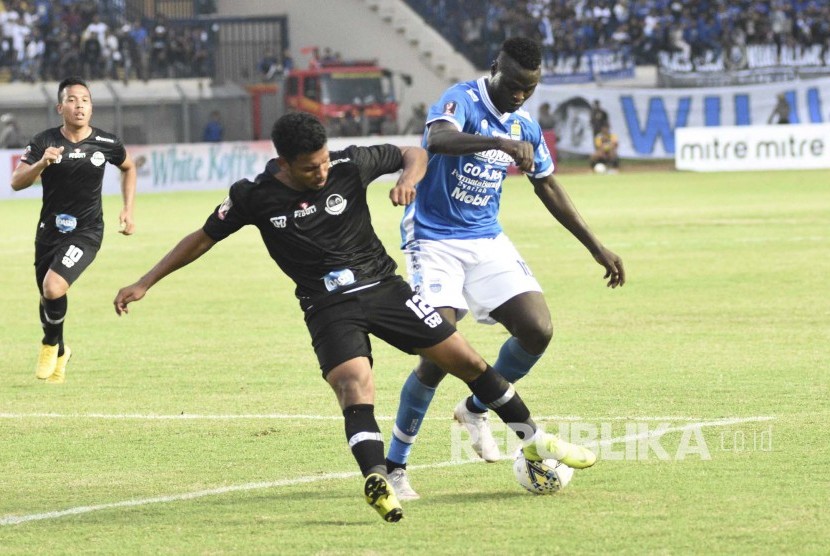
[[52, 155], [126, 225], [402, 194], [614, 271], [126, 296], [522, 154]]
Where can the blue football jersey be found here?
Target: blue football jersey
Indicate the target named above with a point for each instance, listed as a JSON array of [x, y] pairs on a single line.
[[459, 195]]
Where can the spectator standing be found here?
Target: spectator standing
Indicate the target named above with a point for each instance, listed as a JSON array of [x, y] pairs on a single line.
[[91, 57], [139, 41], [269, 65], [287, 62], [781, 112], [389, 125], [10, 135], [415, 123], [599, 118], [159, 55], [214, 130], [546, 118]]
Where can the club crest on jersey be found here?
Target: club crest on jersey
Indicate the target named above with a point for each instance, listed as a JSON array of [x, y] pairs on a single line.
[[449, 108], [335, 204], [98, 158], [516, 131], [224, 208], [76, 154]]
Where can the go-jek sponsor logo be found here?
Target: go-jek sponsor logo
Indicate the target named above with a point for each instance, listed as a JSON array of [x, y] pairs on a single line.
[[487, 172]]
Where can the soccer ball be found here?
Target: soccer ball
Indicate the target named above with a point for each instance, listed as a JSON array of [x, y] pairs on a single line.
[[541, 477], [600, 168]]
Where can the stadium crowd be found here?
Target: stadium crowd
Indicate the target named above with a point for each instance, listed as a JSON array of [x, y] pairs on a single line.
[[49, 39], [695, 29]]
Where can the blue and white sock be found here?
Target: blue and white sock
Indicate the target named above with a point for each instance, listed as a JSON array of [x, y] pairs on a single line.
[[513, 363], [415, 400]]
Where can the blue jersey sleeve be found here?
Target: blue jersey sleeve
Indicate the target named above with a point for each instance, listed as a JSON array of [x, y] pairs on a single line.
[[454, 106], [543, 162]]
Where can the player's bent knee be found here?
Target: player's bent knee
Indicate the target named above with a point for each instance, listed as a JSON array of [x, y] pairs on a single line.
[[352, 382], [54, 286], [535, 337], [428, 373]]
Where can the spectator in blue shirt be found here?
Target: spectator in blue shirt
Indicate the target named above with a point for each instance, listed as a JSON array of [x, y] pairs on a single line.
[[214, 130]]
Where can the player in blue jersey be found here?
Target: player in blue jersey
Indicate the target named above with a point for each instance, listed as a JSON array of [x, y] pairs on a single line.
[[457, 255]]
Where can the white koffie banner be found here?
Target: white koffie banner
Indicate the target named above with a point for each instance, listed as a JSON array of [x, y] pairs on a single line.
[[173, 167], [645, 120], [188, 166]]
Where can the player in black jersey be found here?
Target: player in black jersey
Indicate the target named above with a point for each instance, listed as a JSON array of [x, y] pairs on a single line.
[[70, 162], [310, 208]]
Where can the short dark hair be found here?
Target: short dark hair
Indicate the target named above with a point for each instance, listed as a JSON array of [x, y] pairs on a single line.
[[297, 133], [68, 82], [527, 52]]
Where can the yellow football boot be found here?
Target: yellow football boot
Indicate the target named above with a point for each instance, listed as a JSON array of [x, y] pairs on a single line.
[[551, 446], [381, 496], [46, 361], [59, 376]]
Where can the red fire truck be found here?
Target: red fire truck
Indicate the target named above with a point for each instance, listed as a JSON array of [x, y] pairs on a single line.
[[343, 94]]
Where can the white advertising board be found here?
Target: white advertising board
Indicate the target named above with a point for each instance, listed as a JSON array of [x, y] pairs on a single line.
[[767, 147], [188, 166]]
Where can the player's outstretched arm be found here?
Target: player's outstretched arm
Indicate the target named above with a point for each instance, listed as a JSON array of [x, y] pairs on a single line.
[[414, 167], [444, 138], [559, 204], [26, 174], [190, 248]]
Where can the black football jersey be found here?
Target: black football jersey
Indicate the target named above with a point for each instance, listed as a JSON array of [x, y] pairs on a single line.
[[323, 240], [72, 187]]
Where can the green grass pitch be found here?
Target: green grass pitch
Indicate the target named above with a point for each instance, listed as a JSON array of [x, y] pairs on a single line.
[[198, 424]]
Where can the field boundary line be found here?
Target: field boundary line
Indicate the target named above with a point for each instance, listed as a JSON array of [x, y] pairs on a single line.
[[306, 417], [78, 510]]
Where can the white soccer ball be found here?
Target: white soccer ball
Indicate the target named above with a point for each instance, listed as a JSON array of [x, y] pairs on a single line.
[[600, 168], [542, 477]]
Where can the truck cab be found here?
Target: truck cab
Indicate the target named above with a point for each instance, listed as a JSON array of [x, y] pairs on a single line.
[[349, 97]]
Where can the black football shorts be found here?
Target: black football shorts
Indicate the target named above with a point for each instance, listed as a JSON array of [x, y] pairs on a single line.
[[389, 310], [68, 258]]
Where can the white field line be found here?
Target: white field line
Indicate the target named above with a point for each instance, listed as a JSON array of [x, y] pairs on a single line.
[[18, 519], [300, 417]]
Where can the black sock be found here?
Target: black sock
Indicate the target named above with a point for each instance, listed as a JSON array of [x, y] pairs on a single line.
[[392, 465], [52, 314], [364, 438], [472, 407], [500, 396]]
